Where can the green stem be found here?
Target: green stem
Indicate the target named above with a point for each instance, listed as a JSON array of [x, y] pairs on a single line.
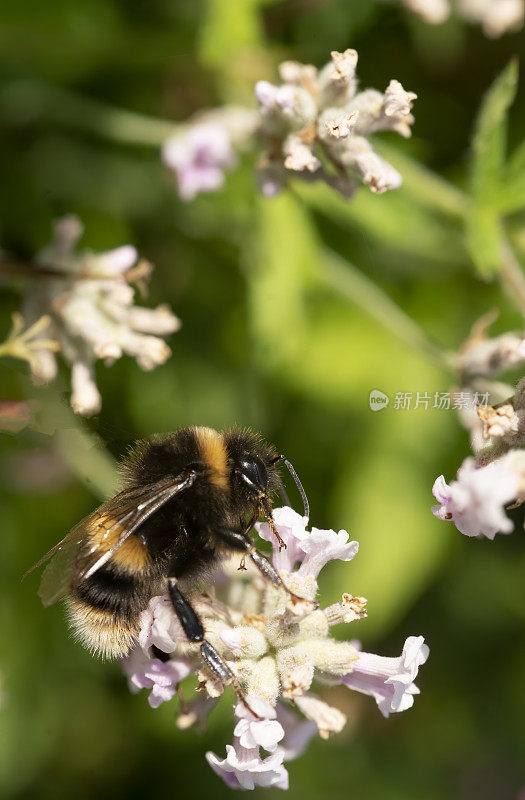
[[83, 451], [84, 454], [424, 185], [511, 275], [350, 282], [27, 100]]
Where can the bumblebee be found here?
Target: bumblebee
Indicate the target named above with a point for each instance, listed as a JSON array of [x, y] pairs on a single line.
[[189, 499]]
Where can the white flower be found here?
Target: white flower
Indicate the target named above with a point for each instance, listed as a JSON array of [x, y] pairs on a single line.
[[278, 646], [495, 16], [271, 97], [245, 769], [317, 118], [432, 11], [89, 300], [32, 345], [320, 547], [312, 548], [390, 681], [251, 732], [475, 501], [85, 396], [292, 529], [327, 719], [481, 355]]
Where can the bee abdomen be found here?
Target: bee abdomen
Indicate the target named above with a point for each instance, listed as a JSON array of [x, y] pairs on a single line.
[[104, 611]]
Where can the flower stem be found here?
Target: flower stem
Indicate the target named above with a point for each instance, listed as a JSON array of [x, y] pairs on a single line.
[[27, 100], [511, 274], [350, 282], [424, 185], [82, 450]]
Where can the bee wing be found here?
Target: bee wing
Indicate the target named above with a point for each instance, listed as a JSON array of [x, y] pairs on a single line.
[[92, 542]]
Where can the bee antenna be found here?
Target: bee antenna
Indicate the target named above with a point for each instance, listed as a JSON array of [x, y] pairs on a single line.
[[298, 483]]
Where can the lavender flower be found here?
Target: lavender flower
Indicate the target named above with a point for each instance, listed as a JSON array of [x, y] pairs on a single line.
[[203, 151], [318, 117], [89, 301], [475, 501], [278, 647], [390, 681], [152, 673], [199, 158]]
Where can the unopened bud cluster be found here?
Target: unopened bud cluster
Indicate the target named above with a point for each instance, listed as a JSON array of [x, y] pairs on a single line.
[[315, 126]]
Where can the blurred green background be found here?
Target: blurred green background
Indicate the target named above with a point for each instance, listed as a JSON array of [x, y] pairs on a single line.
[[275, 298]]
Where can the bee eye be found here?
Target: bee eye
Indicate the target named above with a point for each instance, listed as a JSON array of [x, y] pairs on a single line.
[[194, 466], [254, 473]]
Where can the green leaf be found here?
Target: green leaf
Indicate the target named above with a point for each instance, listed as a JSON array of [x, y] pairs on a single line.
[[484, 239], [512, 193], [396, 219], [488, 164]]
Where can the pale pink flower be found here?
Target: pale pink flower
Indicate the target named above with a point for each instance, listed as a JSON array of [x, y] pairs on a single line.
[[199, 157], [251, 732], [160, 627], [152, 673], [390, 681], [297, 732], [475, 501], [292, 530], [245, 769], [320, 547], [243, 766], [270, 96]]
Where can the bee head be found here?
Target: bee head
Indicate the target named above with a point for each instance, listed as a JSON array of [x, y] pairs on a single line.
[[252, 472]]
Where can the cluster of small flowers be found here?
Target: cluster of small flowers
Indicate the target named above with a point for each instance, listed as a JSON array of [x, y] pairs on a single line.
[[496, 476], [313, 126], [276, 647], [495, 16], [86, 301]]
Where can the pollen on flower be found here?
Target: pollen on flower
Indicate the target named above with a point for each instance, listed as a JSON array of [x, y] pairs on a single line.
[[281, 653]]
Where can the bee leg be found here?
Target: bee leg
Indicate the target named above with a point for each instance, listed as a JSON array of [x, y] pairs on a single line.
[[242, 542], [193, 628]]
